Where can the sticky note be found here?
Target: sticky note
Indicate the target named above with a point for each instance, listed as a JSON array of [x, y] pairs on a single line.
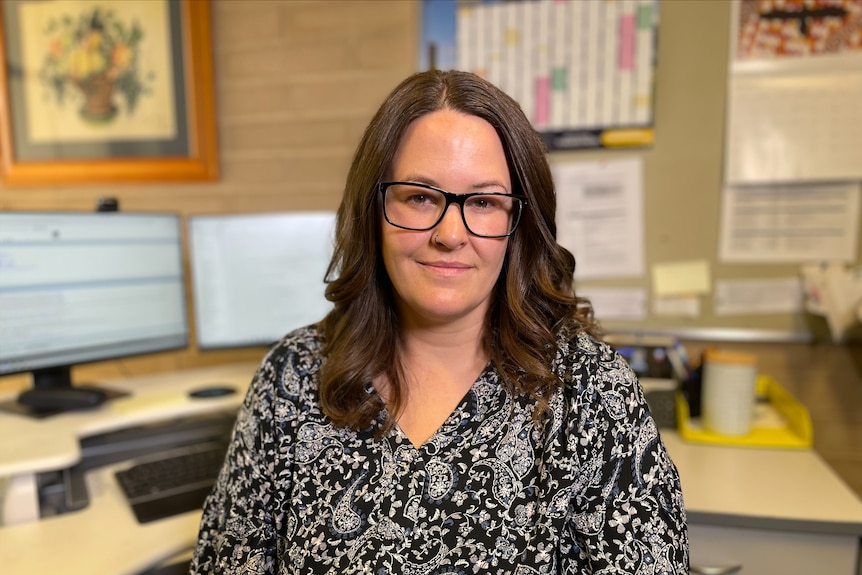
[[681, 278]]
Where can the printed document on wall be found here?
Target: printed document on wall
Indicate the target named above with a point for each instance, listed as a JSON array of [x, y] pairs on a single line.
[[790, 223], [794, 92], [600, 216], [616, 303], [758, 296]]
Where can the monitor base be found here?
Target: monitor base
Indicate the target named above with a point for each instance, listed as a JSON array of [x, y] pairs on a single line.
[[13, 406]]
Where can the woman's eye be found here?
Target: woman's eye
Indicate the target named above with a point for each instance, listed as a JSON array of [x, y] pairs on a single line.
[[484, 203], [418, 199]]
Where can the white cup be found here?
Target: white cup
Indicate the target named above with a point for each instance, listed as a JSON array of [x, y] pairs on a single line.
[[728, 394]]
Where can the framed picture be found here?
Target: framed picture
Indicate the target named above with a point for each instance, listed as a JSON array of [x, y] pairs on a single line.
[[106, 90]]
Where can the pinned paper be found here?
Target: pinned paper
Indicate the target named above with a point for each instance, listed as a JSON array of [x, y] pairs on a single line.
[[600, 216], [784, 223], [623, 303], [676, 306], [758, 296], [681, 278]]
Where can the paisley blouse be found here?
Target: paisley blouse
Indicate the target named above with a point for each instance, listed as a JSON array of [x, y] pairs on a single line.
[[591, 490]]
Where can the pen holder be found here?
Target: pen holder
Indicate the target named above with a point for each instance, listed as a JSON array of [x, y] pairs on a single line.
[[729, 390]]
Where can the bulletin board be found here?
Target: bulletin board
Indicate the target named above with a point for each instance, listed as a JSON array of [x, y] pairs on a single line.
[[683, 185], [683, 181]]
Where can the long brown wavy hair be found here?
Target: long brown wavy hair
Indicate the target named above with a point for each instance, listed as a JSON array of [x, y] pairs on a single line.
[[534, 296]]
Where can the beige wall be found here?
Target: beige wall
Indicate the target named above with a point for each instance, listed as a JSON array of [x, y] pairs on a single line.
[[296, 81]]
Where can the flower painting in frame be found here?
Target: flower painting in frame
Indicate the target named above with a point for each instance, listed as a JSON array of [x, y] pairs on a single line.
[[92, 59], [106, 91]]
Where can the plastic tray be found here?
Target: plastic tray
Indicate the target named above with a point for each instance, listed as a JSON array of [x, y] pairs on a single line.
[[779, 421]]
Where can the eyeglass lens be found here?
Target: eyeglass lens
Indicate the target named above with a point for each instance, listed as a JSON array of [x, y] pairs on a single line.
[[419, 208]]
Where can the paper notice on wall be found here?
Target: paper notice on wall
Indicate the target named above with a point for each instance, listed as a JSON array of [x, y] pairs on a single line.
[[600, 216], [790, 223], [758, 296], [676, 306], [616, 303], [794, 127]]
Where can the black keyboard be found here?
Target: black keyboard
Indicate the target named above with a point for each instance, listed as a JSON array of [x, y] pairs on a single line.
[[173, 483]]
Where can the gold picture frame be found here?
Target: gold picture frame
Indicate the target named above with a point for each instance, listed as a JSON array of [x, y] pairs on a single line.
[[112, 91]]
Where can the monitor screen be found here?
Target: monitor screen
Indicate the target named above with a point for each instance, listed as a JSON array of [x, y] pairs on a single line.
[[256, 277], [85, 287]]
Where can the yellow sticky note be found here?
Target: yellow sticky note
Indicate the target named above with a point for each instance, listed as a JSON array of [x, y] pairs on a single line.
[[681, 278]]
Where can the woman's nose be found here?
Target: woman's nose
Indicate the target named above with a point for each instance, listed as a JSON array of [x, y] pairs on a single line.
[[451, 231]]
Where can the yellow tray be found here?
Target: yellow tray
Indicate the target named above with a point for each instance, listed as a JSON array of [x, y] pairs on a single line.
[[779, 421]]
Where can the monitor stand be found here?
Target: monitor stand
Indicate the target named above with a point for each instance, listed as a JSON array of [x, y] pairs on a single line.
[[56, 379]]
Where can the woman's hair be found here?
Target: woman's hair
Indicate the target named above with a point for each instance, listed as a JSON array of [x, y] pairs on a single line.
[[533, 299]]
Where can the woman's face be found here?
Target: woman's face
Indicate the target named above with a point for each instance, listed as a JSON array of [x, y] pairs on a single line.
[[445, 274]]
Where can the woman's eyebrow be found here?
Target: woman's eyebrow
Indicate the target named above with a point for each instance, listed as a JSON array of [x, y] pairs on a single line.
[[478, 186]]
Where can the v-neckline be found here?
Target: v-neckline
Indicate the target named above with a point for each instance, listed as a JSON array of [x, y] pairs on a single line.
[[459, 408]]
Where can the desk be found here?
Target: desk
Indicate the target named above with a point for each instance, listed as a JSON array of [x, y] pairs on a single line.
[[105, 536], [770, 510], [53, 442]]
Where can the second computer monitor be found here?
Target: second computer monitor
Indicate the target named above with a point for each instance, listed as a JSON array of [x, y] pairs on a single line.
[[256, 277]]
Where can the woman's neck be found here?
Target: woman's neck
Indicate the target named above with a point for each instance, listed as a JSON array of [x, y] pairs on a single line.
[[440, 366], [459, 344]]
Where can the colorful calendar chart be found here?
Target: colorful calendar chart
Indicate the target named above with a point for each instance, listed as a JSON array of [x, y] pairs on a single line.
[[583, 72]]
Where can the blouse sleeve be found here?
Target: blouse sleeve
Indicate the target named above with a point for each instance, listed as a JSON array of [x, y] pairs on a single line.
[[238, 527], [626, 513]]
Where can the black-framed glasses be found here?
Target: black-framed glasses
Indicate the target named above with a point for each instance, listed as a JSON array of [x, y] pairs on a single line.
[[420, 207]]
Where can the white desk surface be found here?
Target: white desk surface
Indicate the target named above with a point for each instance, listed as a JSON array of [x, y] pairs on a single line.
[[104, 538], [731, 486], [786, 489], [33, 445]]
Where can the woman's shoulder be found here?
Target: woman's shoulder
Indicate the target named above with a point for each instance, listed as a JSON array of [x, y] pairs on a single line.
[[290, 366], [586, 362], [301, 342], [599, 386], [577, 345]]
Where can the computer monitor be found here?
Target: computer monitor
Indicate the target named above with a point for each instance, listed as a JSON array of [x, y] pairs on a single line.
[[256, 277], [84, 287]]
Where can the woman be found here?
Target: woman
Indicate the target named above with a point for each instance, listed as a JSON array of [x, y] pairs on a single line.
[[455, 412]]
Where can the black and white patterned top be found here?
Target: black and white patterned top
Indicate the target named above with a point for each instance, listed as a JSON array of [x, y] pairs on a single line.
[[591, 491]]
